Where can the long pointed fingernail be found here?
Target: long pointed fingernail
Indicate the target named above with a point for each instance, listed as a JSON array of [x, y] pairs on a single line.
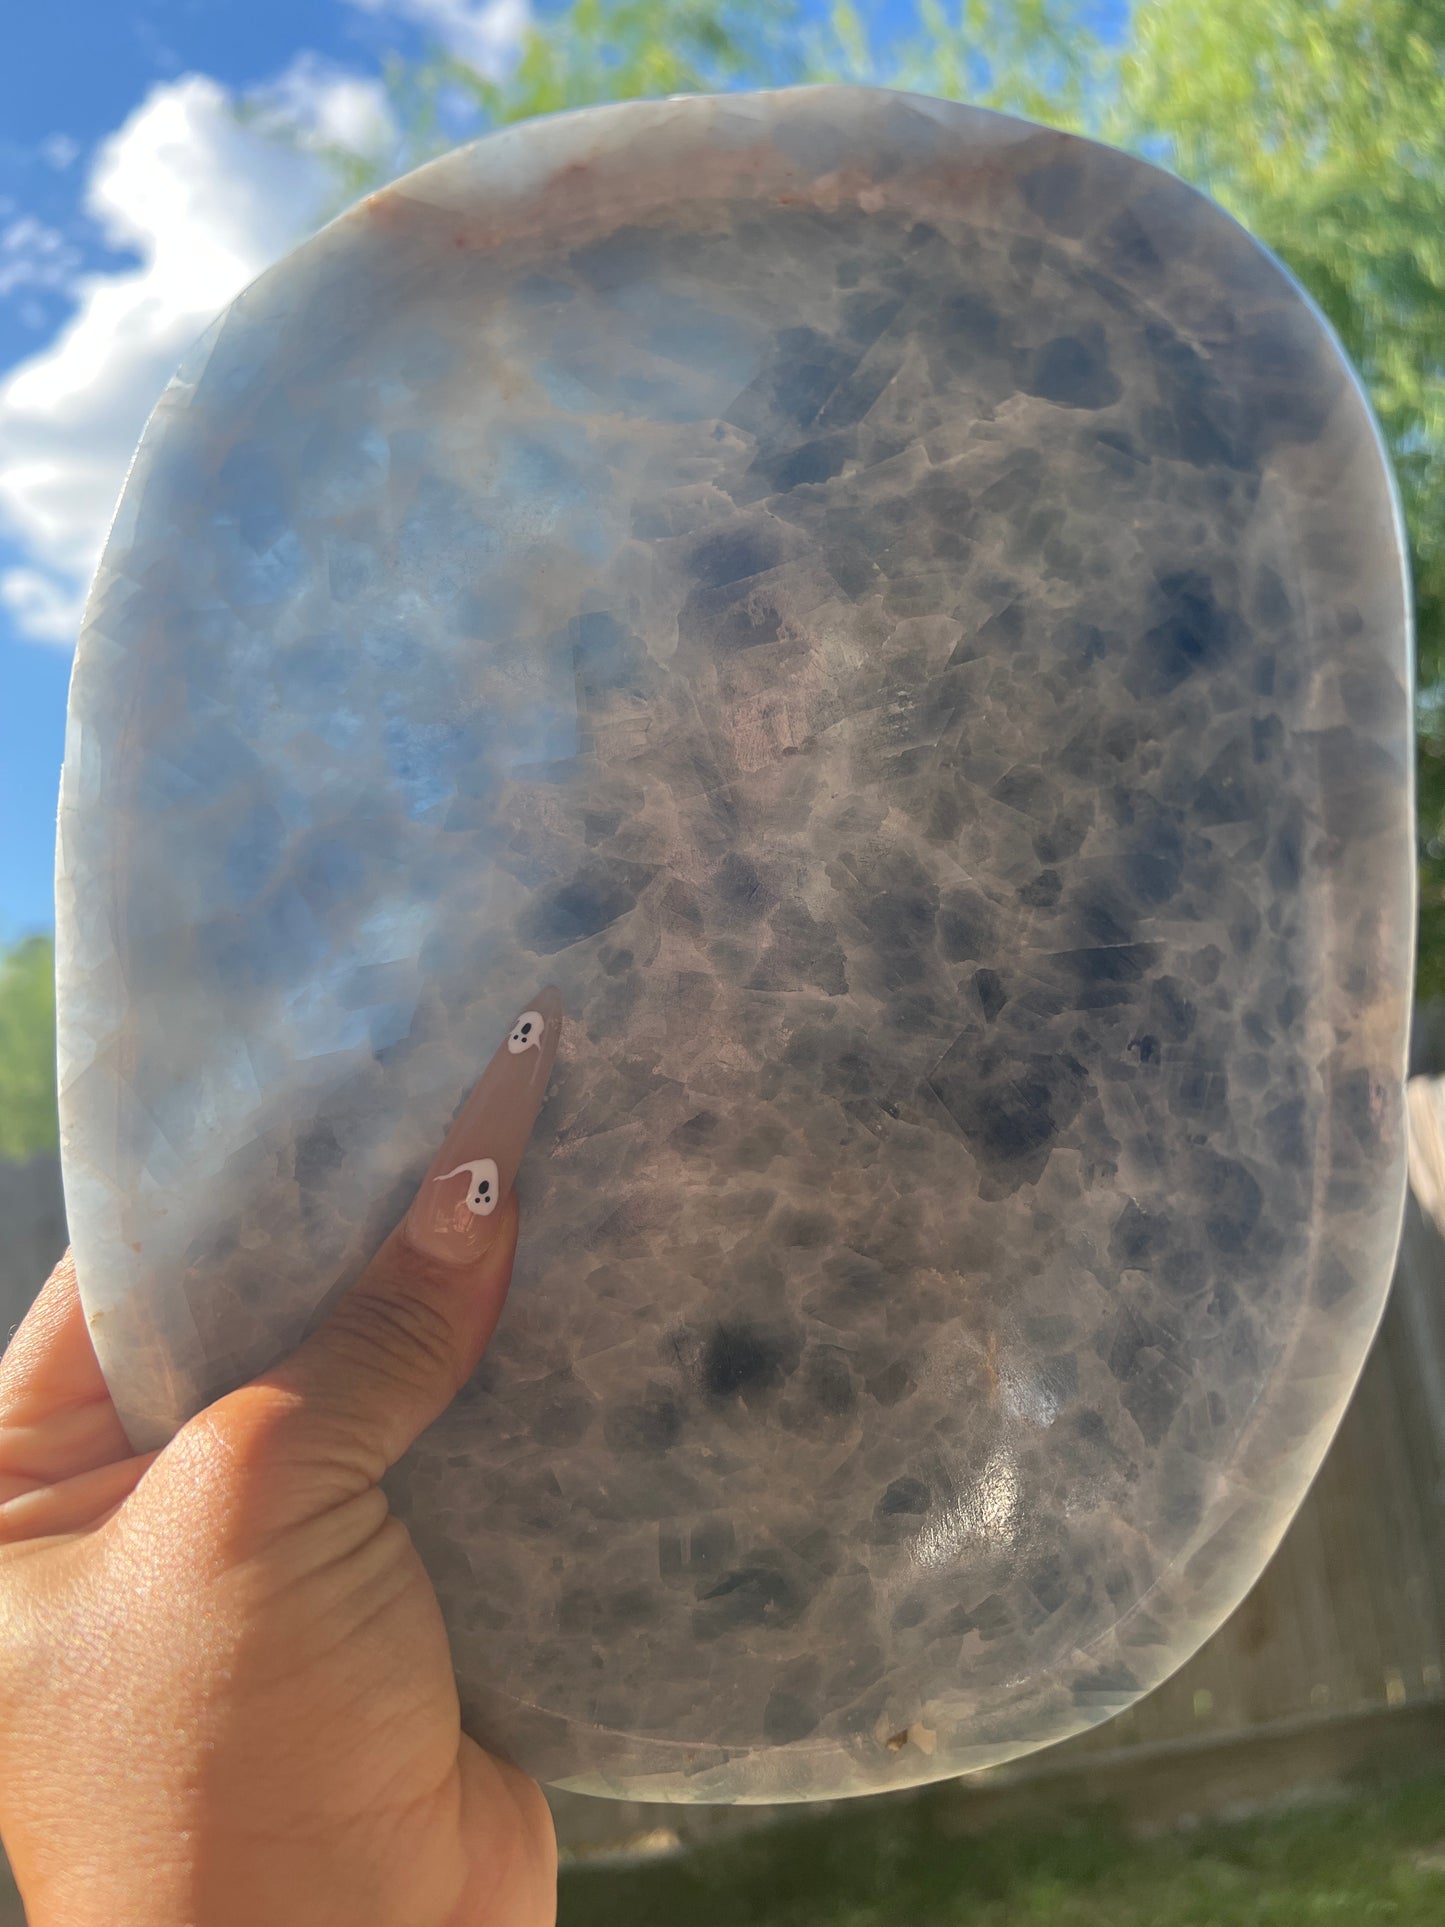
[[454, 1213]]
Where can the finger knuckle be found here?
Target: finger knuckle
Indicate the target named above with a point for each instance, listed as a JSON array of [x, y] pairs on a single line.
[[398, 1335]]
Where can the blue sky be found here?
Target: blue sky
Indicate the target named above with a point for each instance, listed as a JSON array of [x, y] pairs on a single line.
[[73, 76], [133, 208]]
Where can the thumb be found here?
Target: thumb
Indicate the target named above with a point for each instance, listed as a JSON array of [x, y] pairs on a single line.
[[402, 1341]]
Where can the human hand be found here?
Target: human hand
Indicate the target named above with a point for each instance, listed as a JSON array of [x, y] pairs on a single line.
[[226, 1693]]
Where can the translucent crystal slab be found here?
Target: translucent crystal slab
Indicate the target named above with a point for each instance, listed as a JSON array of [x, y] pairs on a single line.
[[901, 615]]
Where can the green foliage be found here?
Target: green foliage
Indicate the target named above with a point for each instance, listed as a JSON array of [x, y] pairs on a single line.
[[1039, 58], [919, 1860], [591, 52], [27, 1049], [635, 49], [1034, 57]]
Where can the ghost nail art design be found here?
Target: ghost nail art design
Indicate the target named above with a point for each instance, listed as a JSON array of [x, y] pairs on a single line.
[[527, 1032], [476, 1166], [483, 1194]]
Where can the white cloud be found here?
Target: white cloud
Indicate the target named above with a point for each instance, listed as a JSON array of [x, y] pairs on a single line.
[[33, 255], [43, 606], [59, 150], [207, 203], [323, 105], [487, 34]]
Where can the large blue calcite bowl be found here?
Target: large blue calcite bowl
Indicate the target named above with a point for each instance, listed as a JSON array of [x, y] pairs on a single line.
[[901, 615]]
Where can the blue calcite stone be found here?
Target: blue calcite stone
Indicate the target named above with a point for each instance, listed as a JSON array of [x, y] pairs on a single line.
[[901, 615]]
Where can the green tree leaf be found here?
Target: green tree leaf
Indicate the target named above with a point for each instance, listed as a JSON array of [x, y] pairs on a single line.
[[27, 1049]]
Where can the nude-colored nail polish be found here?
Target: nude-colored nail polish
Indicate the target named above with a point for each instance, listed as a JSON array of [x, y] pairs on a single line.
[[453, 1214]]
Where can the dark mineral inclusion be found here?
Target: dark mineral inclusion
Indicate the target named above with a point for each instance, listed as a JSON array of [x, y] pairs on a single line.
[[900, 614]]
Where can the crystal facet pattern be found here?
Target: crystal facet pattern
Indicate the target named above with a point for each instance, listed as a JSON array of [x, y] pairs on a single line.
[[901, 615]]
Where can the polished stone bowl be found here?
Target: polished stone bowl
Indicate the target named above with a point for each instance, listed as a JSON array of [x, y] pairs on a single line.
[[901, 615]]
